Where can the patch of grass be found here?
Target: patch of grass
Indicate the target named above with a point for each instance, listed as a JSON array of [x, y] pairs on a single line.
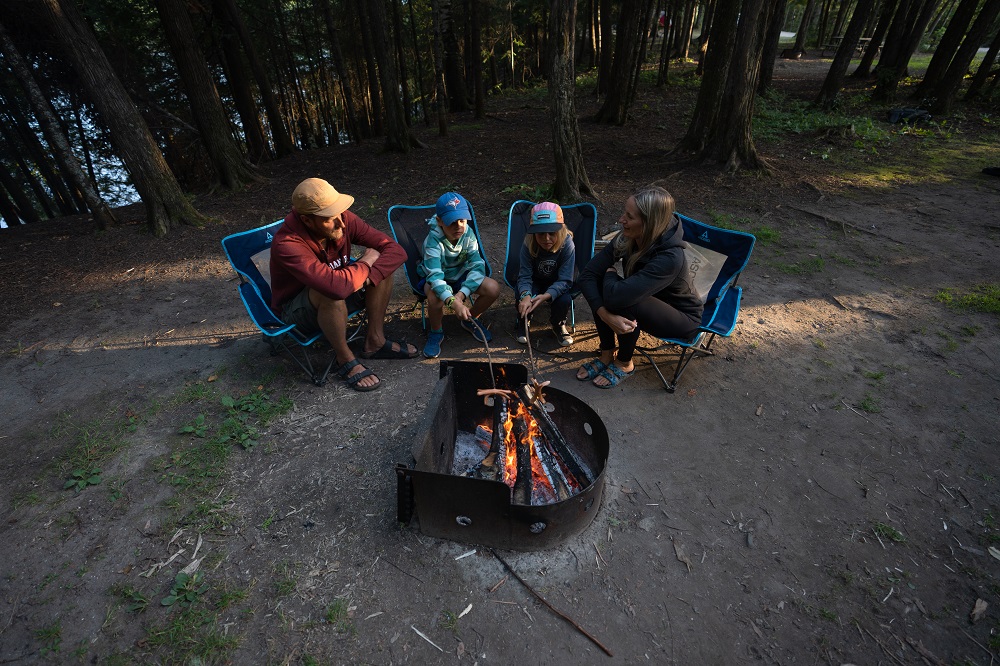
[[338, 614], [50, 637], [191, 636], [449, 621], [827, 614], [284, 579], [818, 343], [81, 478], [871, 404], [809, 266], [980, 298], [530, 192], [844, 261], [875, 375], [136, 601], [186, 590], [889, 532]]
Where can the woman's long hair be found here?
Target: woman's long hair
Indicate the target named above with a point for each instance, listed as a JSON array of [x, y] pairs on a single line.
[[656, 206]]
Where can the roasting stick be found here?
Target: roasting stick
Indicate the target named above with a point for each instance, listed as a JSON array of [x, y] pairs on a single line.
[[550, 606], [489, 356], [535, 385]]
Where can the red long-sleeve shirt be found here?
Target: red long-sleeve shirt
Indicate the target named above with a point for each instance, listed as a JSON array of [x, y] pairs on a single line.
[[298, 261]]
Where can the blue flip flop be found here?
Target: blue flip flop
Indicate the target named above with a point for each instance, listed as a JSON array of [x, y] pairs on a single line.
[[593, 368], [614, 375]]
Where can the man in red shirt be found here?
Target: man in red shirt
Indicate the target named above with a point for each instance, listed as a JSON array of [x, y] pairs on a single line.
[[315, 284]]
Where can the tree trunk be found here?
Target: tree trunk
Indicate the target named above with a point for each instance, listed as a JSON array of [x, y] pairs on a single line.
[[706, 33], [239, 86], [353, 130], [947, 89], [731, 143], [909, 38], [279, 132], [231, 168], [368, 42], [838, 70], [800, 36], [166, 205], [53, 133], [400, 53], [454, 70], [607, 48], [440, 92], [946, 48], [397, 134], [770, 52], [479, 8], [419, 62], [571, 175], [29, 175], [628, 46], [713, 84], [864, 68], [975, 88]]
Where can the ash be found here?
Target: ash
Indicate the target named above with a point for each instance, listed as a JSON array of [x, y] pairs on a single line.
[[470, 449]]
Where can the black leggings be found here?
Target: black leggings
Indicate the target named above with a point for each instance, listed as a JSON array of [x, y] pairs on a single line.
[[656, 317]]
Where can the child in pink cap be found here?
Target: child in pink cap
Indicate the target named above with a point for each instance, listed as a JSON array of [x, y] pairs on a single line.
[[547, 259]]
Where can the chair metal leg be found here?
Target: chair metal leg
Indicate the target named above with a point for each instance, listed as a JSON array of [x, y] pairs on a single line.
[[686, 355]]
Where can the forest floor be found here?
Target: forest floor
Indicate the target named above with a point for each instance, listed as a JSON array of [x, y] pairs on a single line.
[[826, 489]]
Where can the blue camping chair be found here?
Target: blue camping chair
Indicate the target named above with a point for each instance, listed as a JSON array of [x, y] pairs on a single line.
[[249, 252], [580, 219], [722, 306], [409, 228]]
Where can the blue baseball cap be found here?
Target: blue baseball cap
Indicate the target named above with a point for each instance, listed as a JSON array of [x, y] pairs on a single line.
[[452, 206]]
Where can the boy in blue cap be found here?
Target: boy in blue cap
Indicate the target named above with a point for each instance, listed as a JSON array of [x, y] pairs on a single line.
[[454, 272]]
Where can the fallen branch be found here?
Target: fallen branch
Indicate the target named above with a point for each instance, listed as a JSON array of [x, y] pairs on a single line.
[[830, 220], [550, 606]]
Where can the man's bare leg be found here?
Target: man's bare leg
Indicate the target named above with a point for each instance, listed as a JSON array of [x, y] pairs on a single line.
[[332, 318], [376, 303]]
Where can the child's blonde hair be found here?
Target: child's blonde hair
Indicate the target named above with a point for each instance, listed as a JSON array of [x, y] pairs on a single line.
[[561, 237]]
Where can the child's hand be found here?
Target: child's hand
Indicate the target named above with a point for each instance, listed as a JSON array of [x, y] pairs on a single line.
[[461, 311], [524, 306]]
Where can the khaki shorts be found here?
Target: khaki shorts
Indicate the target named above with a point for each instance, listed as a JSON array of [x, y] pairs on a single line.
[[300, 310]]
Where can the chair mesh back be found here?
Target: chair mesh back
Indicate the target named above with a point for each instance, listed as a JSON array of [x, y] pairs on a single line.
[[409, 228], [580, 219], [736, 245], [248, 250]]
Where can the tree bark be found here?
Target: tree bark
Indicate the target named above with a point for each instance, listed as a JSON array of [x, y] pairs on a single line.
[[947, 89], [975, 88], [240, 87], [606, 57], [440, 92], [864, 68], [103, 216], [770, 53], [454, 69], [800, 36], [166, 205], [353, 130], [731, 143], [571, 175], [913, 25], [420, 69], [713, 85], [838, 70], [400, 59], [946, 48], [628, 46], [231, 168], [280, 137], [397, 135]]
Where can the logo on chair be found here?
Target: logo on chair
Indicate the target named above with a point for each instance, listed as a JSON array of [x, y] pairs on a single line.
[[269, 238], [704, 237]]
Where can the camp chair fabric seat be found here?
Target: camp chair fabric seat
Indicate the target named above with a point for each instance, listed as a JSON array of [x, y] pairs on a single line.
[[722, 306], [409, 228], [249, 253], [581, 221]]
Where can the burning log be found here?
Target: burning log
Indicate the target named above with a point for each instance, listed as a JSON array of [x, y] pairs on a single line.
[[575, 466], [488, 468], [523, 481], [553, 471]]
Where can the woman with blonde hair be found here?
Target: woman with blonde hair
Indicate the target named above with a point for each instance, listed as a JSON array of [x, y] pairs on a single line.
[[653, 293]]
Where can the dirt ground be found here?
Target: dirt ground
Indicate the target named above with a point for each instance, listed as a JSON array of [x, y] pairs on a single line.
[[826, 489]]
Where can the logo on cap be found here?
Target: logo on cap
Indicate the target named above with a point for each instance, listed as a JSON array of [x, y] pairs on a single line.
[[454, 203]]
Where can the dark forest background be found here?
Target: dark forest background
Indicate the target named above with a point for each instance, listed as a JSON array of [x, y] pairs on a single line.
[[106, 101]]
